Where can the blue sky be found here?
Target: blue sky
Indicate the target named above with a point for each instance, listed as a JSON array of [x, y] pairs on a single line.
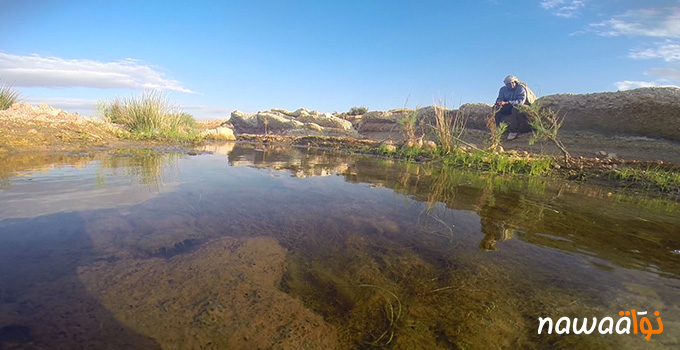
[[212, 57]]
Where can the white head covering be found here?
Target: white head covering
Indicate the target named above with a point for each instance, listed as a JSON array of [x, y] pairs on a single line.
[[509, 79]]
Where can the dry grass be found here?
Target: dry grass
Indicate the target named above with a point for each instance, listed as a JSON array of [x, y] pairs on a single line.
[[8, 96], [449, 126]]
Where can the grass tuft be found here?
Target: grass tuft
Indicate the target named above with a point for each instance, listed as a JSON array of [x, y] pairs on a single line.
[[150, 116], [449, 126], [8, 96]]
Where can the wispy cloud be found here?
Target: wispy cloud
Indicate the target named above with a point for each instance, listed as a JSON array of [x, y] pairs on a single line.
[[564, 8], [664, 77], [668, 51], [630, 84], [38, 71], [660, 23]]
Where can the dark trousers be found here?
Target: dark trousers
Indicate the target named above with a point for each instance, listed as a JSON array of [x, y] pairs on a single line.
[[517, 122]]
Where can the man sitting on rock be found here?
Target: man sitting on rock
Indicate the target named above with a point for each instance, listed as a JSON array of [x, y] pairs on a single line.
[[511, 95]]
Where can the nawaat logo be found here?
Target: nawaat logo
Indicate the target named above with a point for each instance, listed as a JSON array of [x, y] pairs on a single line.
[[630, 322]]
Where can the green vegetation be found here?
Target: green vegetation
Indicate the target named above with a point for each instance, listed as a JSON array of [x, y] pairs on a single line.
[[357, 110], [408, 126], [546, 123], [647, 178], [478, 159], [495, 132], [8, 96], [150, 116]]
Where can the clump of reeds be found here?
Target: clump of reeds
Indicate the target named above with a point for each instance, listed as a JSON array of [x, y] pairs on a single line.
[[8, 96], [449, 126], [150, 115]]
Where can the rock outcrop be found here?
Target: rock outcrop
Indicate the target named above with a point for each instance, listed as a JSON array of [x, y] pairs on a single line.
[[651, 112], [389, 121], [297, 123]]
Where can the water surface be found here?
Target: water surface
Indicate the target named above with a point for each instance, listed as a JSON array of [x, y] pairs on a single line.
[[265, 247]]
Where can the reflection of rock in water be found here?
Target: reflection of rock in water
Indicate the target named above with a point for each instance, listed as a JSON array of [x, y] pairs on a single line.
[[221, 296]]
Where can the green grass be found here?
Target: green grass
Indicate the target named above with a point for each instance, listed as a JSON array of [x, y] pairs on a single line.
[[663, 180], [8, 96], [150, 116]]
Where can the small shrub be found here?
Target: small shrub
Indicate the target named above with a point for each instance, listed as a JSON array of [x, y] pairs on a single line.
[[546, 124], [408, 126], [357, 110], [8, 96]]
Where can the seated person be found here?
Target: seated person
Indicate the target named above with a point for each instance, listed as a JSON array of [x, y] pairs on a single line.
[[511, 95]]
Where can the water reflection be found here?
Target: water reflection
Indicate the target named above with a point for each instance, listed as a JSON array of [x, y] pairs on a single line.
[[42, 184], [258, 249], [540, 211]]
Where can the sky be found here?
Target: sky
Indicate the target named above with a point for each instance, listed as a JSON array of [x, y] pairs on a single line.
[[212, 57]]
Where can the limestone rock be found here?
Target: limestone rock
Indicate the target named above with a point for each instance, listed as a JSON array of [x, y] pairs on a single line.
[[301, 122], [219, 133], [244, 122], [646, 111]]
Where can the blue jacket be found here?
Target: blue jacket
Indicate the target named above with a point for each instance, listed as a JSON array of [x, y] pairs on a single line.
[[516, 96]]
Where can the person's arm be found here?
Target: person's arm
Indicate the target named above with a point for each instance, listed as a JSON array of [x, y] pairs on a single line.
[[501, 98]]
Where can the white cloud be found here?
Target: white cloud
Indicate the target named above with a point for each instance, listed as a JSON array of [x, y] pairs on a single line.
[[668, 51], [661, 23], [564, 8], [37, 71], [630, 84]]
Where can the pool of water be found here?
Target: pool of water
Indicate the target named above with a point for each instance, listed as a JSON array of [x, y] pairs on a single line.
[[253, 247]]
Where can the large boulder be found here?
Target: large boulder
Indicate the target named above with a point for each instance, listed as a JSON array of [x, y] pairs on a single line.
[[651, 112], [221, 133], [245, 122], [477, 113], [382, 121]]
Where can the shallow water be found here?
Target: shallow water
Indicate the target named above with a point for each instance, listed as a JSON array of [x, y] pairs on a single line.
[[282, 248]]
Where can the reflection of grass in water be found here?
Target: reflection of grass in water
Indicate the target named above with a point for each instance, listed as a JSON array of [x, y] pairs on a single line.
[[145, 165], [27, 164]]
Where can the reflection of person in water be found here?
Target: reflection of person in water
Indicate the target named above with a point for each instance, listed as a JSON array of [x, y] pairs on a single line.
[[496, 221], [493, 232]]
